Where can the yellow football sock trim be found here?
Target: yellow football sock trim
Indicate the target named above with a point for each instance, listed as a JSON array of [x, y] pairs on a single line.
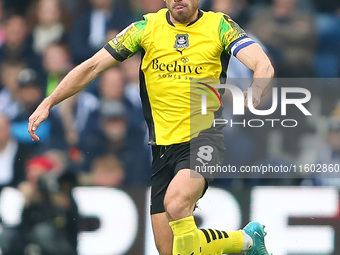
[[216, 242]]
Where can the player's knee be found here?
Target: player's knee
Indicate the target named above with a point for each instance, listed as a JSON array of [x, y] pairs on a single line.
[[177, 206]]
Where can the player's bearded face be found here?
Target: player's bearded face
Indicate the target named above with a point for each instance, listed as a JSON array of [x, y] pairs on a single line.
[[182, 10]]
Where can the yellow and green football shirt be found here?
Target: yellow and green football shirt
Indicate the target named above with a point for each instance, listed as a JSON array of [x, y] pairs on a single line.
[[173, 55]]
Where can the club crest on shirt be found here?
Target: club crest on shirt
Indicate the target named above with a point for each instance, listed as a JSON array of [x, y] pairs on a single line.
[[182, 41]]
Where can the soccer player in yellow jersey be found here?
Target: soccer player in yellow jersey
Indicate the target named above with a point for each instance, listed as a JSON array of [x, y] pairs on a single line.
[[178, 44]]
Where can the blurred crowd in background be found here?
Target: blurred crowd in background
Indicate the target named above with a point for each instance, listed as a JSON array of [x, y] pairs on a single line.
[[99, 137]]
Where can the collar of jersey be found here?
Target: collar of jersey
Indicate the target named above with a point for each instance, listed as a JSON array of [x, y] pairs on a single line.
[[200, 14]]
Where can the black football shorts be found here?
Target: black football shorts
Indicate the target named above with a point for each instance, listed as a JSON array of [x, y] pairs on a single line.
[[206, 149]]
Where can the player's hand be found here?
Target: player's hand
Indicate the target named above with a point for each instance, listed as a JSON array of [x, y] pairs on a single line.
[[256, 97], [38, 116]]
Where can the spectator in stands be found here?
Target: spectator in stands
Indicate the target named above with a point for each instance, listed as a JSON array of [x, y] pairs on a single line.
[[236, 9], [9, 72], [50, 213], [49, 24], [111, 85], [106, 171], [80, 131], [113, 114], [58, 158], [57, 63], [146, 6], [120, 139], [290, 37], [89, 31], [12, 156], [49, 220], [16, 46], [112, 88], [30, 93]]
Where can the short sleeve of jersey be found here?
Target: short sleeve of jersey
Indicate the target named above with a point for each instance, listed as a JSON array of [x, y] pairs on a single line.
[[127, 42], [232, 36]]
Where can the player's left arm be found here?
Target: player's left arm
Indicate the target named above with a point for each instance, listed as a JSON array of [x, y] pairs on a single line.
[[255, 59]]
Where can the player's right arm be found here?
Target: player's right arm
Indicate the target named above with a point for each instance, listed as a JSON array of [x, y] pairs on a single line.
[[73, 82], [118, 49]]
